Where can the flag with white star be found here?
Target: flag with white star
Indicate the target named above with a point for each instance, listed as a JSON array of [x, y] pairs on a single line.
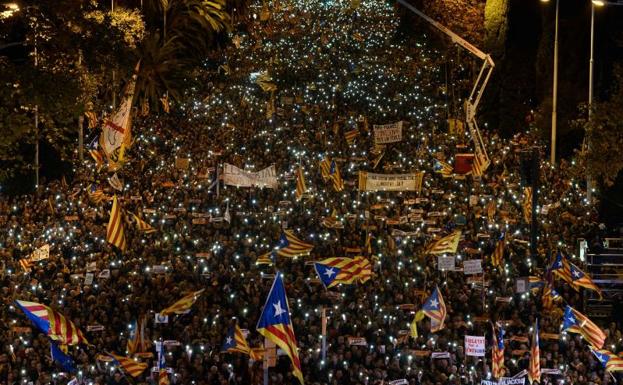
[[576, 322], [582, 279], [236, 342], [435, 309], [275, 324], [333, 271]]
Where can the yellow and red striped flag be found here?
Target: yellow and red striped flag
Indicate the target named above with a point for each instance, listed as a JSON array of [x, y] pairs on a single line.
[[143, 226], [351, 136], [333, 271], [330, 171], [115, 234], [301, 187], [235, 342], [576, 322], [447, 244], [290, 246], [183, 305], [527, 204], [53, 323], [497, 354], [534, 366], [130, 366], [497, 257]]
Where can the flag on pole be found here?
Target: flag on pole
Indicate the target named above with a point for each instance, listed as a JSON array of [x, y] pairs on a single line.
[[143, 226], [235, 342], [53, 323], [132, 367], [445, 169], [290, 246], [115, 234], [333, 271], [610, 361], [581, 279], [163, 376], [447, 244], [331, 222], [183, 305], [96, 195], [435, 309], [527, 204], [534, 366], [497, 353], [562, 269], [137, 342], [116, 131], [497, 258], [301, 188], [275, 324], [576, 322], [330, 171], [351, 136], [549, 297]]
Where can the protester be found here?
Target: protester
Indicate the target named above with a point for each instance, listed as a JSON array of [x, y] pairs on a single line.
[[329, 70]]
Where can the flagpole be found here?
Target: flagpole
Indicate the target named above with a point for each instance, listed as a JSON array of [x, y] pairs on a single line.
[[324, 334]]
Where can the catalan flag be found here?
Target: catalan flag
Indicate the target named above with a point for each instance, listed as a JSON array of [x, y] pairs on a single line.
[[96, 195], [96, 153], [576, 322], [115, 234], [562, 269], [290, 246], [132, 367], [275, 324], [581, 279], [91, 119], [26, 264], [333, 271], [137, 343], [609, 360], [351, 136], [480, 164], [301, 187], [183, 305], [163, 376], [535, 283], [447, 244], [265, 259], [331, 222], [534, 366], [497, 353], [527, 204], [445, 169], [166, 107], [330, 171], [497, 257], [435, 309], [235, 342], [549, 297], [143, 226], [53, 323]]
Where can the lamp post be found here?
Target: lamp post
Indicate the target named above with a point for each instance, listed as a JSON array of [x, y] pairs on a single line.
[[552, 158], [591, 62]]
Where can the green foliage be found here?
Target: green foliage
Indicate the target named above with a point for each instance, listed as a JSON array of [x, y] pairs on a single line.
[[604, 157]]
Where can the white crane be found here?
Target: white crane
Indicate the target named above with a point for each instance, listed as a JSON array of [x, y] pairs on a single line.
[[481, 159]]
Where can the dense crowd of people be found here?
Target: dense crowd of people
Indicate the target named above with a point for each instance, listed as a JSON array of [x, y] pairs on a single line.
[[327, 69]]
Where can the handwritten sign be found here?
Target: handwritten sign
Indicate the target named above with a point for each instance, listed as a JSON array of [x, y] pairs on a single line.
[[472, 267], [475, 346], [446, 263]]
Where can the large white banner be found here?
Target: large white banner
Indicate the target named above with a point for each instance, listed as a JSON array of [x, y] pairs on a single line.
[[387, 133], [234, 176], [475, 346], [390, 182]]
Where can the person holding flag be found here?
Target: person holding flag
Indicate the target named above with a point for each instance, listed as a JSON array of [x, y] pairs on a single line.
[[275, 324]]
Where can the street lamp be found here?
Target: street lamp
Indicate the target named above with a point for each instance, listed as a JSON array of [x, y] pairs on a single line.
[[552, 158]]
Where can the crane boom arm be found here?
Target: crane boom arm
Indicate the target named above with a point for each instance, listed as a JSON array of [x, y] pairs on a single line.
[[471, 104]]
